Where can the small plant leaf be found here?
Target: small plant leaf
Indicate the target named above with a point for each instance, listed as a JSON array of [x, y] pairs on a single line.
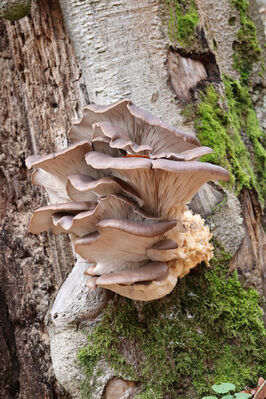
[[242, 395], [209, 397], [229, 396], [225, 387]]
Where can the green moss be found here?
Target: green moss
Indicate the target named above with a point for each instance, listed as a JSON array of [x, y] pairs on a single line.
[[183, 19], [232, 21], [209, 330], [246, 47], [235, 134], [225, 131], [15, 10]]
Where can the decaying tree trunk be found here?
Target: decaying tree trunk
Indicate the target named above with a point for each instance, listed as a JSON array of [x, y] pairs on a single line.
[[123, 51], [41, 90]]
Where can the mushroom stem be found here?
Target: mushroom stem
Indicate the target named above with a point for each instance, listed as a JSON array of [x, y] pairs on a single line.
[[92, 283]]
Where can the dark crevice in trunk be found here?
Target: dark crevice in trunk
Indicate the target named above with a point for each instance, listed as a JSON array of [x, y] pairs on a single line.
[[207, 58], [9, 384], [190, 72]]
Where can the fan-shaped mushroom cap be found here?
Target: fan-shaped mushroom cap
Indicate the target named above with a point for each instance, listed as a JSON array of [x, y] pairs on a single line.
[[114, 137], [54, 169], [64, 162], [117, 138], [192, 248], [151, 271], [161, 183], [127, 242], [42, 217], [85, 188], [83, 223], [145, 290], [136, 128]]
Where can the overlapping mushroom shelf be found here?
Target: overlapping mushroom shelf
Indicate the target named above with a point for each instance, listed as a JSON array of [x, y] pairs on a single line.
[[121, 191]]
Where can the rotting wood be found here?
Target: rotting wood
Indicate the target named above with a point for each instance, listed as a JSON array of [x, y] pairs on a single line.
[[41, 91]]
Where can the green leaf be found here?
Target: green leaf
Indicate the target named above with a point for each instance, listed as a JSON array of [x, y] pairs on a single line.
[[223, 388], [209, 397], [242, 395], [228, 397]]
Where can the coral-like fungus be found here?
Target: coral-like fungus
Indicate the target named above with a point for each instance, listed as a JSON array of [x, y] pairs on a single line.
[[121, 192]]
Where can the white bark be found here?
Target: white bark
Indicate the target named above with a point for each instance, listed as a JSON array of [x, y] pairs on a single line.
[[122, 50]]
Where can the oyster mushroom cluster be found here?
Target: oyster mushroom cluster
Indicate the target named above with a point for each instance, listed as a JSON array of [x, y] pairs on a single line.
[[120, 190]]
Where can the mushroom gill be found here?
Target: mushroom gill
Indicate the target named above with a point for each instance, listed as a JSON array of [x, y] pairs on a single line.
[[121, 192]]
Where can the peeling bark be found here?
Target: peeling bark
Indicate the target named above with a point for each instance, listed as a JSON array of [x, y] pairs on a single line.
[[184, 74], [250, 259]]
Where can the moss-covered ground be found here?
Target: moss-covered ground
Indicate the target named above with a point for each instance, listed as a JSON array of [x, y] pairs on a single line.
[[209, 330]]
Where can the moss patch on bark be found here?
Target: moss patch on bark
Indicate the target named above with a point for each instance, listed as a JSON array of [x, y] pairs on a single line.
[[246, 47], [230, 127], [182, 21], [227, 124], [209, 330], [14, 10]]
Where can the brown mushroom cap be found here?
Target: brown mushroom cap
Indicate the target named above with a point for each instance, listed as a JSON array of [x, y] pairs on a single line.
[[65, 162], [166, 132], [82, 129], [189, 155], [85, 188], [117, 138], [42, 221], [210, 171], [139, 229], [151, 271], [135, 128], [147, 290], [127, 242], [160, 183], [85, 223], [54, 169], [114, 137], [99, 160]]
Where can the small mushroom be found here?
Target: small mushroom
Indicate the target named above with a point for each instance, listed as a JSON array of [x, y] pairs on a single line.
[[121, 191]]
